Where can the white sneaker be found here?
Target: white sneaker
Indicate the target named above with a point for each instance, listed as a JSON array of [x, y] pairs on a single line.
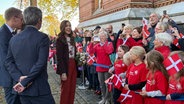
[[101, 102], [87, 82], [107, 102]]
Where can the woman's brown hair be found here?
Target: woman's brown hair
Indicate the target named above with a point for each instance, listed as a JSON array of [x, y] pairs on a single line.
[[155, 62], [62, 33], [139, 29]]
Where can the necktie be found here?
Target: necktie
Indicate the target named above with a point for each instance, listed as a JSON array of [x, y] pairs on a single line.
[[13, 33]]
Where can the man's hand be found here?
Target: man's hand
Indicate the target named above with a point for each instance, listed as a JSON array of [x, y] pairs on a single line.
[[175, 32], [144, 41], [22, 78], [126, 87], [143, 93], [111, 71], [168, 97], [19, 88]]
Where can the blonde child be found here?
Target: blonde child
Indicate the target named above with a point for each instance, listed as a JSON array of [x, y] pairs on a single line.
[[136, 74], [127, 58], [156, 79], [176, 83]]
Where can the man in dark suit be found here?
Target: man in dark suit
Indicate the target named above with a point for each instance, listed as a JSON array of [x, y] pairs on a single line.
[[13, 18], [27, 60]]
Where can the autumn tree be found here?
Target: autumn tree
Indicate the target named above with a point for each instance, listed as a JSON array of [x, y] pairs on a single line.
[[2, 20], [53, 12]]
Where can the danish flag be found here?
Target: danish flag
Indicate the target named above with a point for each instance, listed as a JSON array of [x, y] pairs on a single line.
[[91, 59], [117, 81], [145, 31], [51, 54], [175, 41], [124, 96], [79, 47], [173, 64], [54, 66], [109, 83]]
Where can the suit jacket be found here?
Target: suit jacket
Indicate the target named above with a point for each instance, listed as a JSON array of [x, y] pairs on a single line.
[[5, 36], [27, 56]]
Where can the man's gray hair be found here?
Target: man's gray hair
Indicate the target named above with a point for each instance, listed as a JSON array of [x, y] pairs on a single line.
[[165, 38], [156, 15], [32, 15], [103, 32]]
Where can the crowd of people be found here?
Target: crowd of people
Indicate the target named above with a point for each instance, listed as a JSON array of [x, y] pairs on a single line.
[[137, 65], [136, 59]]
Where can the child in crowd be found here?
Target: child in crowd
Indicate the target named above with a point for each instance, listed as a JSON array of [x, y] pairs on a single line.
[[119, 69], [136, 74], [176, 82], [127, 59], [156, 78]]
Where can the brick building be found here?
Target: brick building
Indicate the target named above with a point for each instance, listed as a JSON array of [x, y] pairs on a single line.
[[115, 12]]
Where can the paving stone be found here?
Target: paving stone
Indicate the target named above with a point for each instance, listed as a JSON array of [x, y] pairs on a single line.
[[81, 96]]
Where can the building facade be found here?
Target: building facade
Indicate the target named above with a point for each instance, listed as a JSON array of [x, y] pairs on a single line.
[[115, 12]]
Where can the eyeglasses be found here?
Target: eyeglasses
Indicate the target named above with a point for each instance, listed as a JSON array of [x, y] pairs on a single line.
[[158, 29]]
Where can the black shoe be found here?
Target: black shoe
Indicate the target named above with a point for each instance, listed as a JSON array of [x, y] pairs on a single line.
[[89, 88]]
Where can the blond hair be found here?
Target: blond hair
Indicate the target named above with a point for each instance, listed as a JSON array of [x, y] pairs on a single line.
[[127, 58], [128, 26], [163, 25], [138, 51]]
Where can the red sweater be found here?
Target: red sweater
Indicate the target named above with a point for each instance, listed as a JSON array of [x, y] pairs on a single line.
[[102, 54], [130, 42], [164, 50], [138, 42], [119, 67], [156, 81], [175, 87], [135, 75]]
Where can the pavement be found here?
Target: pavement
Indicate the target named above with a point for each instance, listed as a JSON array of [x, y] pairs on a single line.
[[82, 96]]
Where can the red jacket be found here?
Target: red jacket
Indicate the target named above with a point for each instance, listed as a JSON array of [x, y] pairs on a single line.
[[102, 54]]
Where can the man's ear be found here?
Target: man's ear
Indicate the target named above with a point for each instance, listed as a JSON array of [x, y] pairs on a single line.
[[40, 21]]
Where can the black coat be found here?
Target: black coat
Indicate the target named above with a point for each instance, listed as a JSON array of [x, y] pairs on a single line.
[[5, 36]]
